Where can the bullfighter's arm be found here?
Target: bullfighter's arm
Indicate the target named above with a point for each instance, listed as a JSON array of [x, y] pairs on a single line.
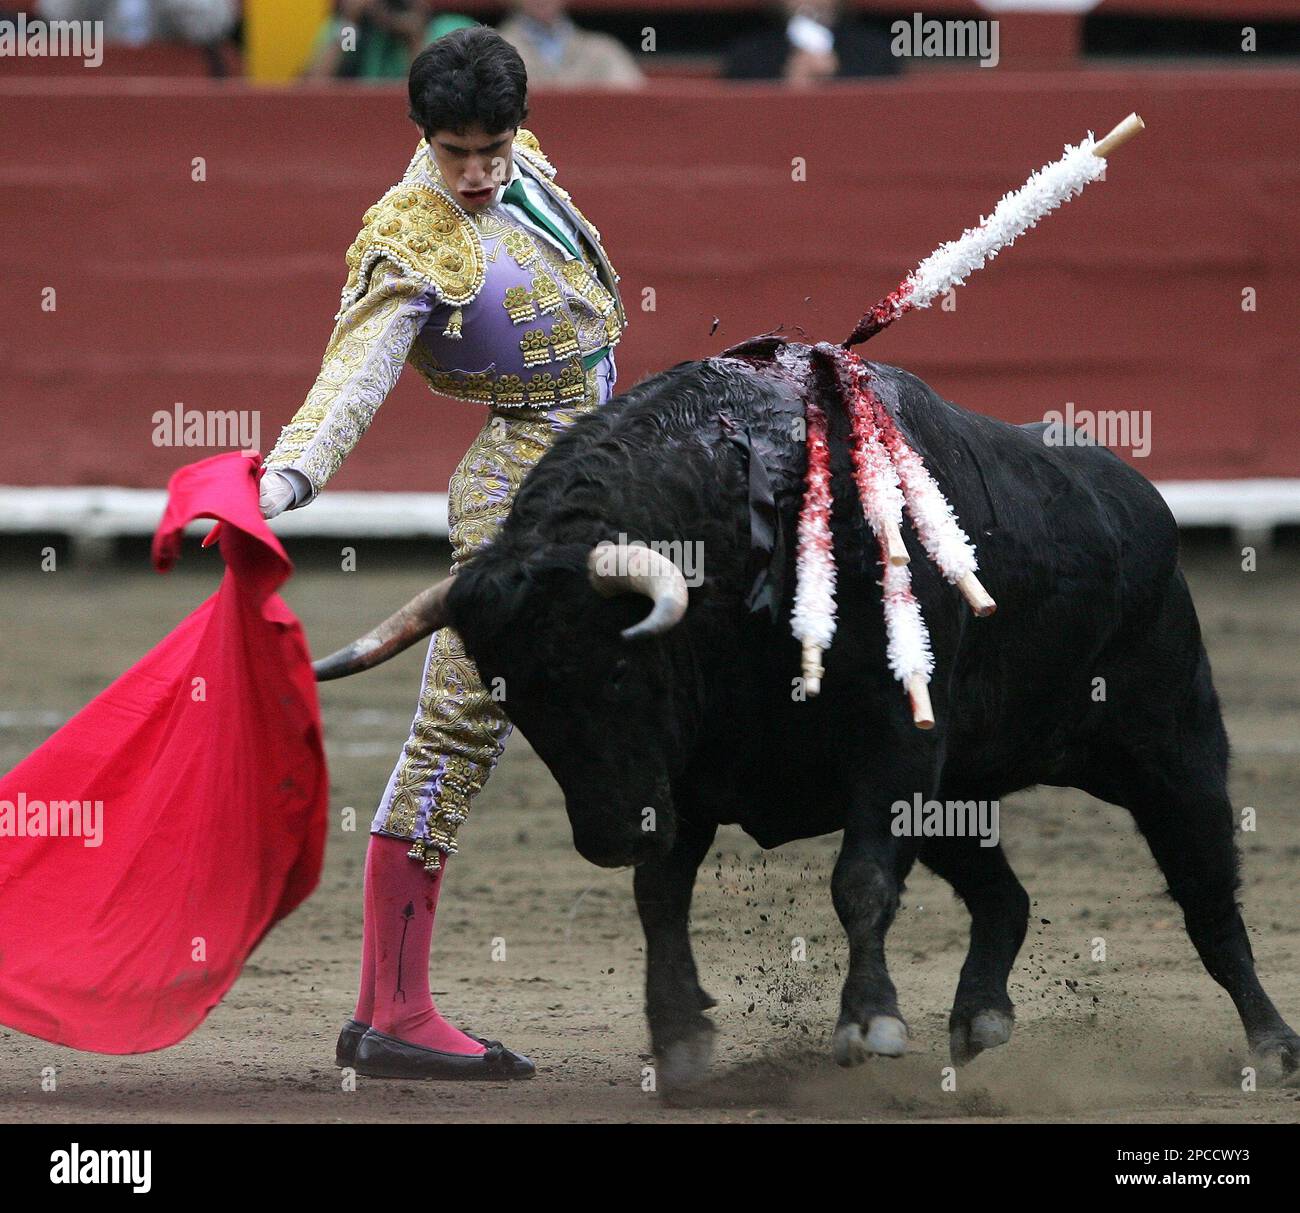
[[362, 361]]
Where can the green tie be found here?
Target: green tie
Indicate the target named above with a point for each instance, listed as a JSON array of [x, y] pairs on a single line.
[[514, 192]]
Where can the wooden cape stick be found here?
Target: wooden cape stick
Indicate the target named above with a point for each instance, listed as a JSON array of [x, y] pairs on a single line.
[[1119, 136]]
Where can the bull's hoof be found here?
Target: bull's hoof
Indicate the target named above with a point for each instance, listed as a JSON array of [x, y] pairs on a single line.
[[1278, 1056], [968, 1038], [848, 1045], [684, 1064], [886, 1036]]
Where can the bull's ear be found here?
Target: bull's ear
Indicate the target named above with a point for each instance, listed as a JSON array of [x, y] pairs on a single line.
[[499, 587], [487, 596]]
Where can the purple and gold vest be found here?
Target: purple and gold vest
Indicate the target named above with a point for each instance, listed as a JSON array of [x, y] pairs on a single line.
[[516, 319]]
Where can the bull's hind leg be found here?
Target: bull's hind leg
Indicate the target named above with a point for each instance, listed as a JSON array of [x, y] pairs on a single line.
[[1189, 828], [982, 1013], [1169, 768], [865, 887], [680, 1035]]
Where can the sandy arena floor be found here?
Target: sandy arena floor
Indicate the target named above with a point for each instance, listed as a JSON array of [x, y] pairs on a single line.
[[1145, 1036]]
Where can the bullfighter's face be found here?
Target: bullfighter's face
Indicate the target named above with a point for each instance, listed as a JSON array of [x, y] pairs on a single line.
[[598, 709], [474, 163]]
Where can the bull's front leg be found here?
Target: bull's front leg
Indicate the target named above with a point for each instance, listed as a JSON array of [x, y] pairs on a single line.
[[865, 886], [982, 1013], [680, 1035]]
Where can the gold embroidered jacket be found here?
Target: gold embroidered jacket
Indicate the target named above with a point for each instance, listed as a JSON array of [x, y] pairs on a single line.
[[484, 309]]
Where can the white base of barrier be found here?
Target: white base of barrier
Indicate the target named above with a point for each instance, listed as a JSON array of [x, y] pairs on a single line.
[[92, 517]]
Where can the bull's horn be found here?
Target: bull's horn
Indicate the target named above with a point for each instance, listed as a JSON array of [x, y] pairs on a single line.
[[620, 568], [425, 613]]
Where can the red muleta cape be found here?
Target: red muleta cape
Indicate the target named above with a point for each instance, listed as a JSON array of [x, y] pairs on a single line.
[[207, 758]]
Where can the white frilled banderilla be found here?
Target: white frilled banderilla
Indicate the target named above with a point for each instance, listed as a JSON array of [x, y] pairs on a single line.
[[890, 476]]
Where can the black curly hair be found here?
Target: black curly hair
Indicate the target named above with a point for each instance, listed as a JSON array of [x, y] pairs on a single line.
[[469, 76]]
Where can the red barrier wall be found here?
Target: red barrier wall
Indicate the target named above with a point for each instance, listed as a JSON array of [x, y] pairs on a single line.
[[219, 294]]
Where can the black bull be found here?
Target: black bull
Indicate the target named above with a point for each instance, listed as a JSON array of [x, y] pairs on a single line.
[[1091, 675]]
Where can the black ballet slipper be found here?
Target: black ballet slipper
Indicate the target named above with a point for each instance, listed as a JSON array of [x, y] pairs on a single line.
[[345, 1052], [379, 1055]]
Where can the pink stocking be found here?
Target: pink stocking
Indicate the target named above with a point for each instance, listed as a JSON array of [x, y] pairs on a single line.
[[366, 994], [401, 899]]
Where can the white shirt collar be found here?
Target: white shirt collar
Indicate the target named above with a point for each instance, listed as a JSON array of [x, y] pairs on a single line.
[[514, 176], [538, 196]]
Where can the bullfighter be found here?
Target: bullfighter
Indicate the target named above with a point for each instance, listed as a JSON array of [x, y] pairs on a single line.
[[478, 269]]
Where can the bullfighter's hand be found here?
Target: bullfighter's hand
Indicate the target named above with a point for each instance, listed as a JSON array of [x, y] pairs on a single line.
[[276, 493]]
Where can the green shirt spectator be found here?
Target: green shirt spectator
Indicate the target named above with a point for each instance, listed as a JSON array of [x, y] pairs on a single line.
[[376, 39]]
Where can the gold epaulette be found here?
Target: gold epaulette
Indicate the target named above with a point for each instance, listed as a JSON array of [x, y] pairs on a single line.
[[531, 150], [427, 235]]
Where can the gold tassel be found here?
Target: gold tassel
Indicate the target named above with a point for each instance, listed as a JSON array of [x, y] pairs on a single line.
[[453, 326], [430, 857]]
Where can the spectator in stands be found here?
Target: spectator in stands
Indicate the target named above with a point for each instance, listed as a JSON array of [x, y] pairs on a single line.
[[555, 51], [136, 22], [376, 39], [814, 40]]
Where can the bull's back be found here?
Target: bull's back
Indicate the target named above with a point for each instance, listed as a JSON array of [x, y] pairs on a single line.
[[1081, 553], [1042, 509]]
